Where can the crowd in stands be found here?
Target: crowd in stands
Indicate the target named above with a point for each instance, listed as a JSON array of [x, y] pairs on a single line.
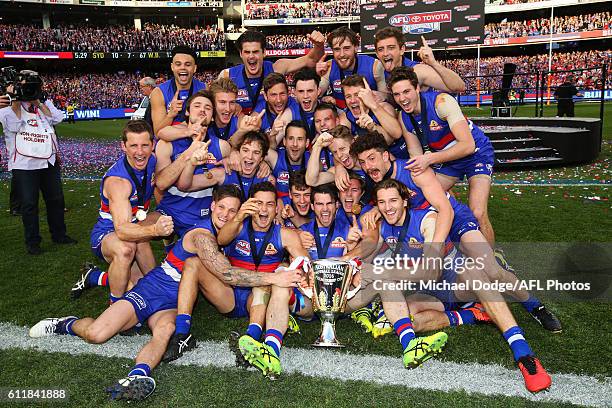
[[91, 91], [152, 37], [466, 68], [561, 24], [313, 9], [120, 90]]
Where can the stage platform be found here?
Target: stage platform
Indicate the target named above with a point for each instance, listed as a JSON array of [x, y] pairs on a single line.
[[542, 142]]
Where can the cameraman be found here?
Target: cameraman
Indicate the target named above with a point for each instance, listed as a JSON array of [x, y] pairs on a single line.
[[33, 158]]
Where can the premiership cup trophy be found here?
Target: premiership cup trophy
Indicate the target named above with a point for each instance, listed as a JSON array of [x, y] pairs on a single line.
[[332, 279]]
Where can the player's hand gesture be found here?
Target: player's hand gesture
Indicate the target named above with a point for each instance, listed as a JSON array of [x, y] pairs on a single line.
[[418, 164], [232, 162], [367, 97], [426, 53], [287, 212], [369, 219], [324, 140], [278, 126], [317, 39], [354, 235], [307, 239], [200, 156], [365, 121], [249, 208], [322, 66], [263, 170], [341, 177], [164, 226], [176, 105], [251, 122]]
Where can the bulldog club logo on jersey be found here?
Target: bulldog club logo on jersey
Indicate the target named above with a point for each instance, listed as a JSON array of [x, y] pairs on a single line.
[[270, 250], [433, 125], [211, 159], [243, 248], [32, 122], [414, 243], [338, 242]]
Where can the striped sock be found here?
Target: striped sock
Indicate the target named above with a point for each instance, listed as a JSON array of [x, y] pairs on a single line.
[[459, 317], [531, 303], [65, 326], [183, 324], [141, 369], [274, 339], [254, 330], [97, 278], [403, 328], [516, 339], [381, 313]]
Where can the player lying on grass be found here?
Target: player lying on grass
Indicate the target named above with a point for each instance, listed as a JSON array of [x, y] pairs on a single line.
[[408, 231], [255, 247]]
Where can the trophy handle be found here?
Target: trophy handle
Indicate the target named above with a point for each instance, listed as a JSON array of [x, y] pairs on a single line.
[[351, 293]]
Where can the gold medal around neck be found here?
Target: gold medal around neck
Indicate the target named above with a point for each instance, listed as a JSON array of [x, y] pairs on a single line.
[[141, 214], [356, 209]]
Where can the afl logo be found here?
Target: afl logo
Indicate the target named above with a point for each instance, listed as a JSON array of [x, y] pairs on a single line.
[[33, 122], [243, 248], [399, 20], [391, 240]]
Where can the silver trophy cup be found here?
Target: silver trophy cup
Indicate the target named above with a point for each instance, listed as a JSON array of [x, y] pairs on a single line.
[[332, 279]]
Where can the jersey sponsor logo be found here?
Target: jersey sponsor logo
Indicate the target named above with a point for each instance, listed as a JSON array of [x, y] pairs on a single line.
[[243, 248], [33, 122], [338, 242], [433, 125], [270, 250]]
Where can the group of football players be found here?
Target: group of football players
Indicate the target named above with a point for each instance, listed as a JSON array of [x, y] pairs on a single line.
[[254, 180]]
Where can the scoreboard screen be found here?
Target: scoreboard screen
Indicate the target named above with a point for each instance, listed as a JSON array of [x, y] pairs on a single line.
[[87, 55]]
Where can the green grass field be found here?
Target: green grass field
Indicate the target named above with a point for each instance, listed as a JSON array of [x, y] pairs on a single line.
[[38, 287]]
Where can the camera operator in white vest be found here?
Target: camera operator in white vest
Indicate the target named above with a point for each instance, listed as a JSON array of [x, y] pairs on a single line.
[[33, 158]]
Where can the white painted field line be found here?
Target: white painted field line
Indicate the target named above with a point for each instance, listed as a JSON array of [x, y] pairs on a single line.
[[435, 375]]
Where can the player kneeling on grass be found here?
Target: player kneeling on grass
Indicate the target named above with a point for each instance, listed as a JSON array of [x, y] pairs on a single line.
[[152, 300]]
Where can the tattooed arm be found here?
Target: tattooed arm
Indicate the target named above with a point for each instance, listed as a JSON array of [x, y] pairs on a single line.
[[215, 262]]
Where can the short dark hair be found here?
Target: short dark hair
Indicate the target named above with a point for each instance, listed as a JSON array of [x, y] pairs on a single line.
[[326, 106], [297, 180], [184, 49], [226, 190], [272, 79], [392, 183], [306, 74], [136, 126], [296, 124], [389, 32], [353, 80], [367, 141], [403, 74], [328, 188], [259, 137], [263, 186], [251, 36], [204, 93], [343, 33]]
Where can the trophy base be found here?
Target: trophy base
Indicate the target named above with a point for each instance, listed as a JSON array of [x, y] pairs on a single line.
[[327, 344], [327, 338]]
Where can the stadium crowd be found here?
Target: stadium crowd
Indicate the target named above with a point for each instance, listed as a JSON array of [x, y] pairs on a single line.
[[466, 68], [541, 26], [152, 37], [120, 90], [313, 9]]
